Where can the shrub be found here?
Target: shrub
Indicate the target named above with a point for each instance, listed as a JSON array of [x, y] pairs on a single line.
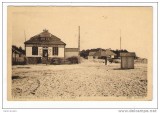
[[73, 60], [116, 61], [110, 60], [20, 61], [33, 60], [56, 61]]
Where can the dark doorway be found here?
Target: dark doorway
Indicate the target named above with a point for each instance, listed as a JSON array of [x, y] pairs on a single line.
[[45, 53], [45, 56]]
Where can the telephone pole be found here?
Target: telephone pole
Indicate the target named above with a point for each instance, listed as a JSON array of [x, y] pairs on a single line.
[[79, 44], [25, 41], [120, 39]]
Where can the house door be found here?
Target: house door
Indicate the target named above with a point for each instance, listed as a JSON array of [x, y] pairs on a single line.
[[45, 56], [45, 53]]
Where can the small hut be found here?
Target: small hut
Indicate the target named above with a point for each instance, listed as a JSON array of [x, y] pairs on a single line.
[[127, 60]]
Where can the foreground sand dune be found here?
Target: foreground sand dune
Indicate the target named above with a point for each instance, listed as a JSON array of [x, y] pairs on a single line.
[[88, 79]]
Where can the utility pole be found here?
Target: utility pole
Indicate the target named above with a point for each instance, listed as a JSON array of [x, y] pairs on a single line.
[[120, 49], [120, 39], [26, 61], [79, 44], [25, 41]]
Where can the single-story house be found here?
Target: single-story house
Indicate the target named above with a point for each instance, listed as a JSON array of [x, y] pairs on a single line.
[[44, 46], [100, 54], [18, 57], [110, 54]]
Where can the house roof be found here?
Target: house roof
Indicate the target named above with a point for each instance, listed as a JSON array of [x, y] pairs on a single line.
[[71, 49], [51, 39], [130, 54], [109, 52], [15, 51], [100, 53]]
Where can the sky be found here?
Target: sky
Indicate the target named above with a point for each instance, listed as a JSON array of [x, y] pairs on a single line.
[[99, 26]]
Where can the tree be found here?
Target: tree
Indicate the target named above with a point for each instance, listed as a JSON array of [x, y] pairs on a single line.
[[85, 53]]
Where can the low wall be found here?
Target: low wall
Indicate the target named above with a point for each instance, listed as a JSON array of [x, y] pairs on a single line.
[[71, 54]]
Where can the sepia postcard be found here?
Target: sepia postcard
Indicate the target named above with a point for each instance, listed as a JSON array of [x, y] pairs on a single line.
[[77, 53]]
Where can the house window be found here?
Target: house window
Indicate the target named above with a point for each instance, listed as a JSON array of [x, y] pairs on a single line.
[[44, 38], [55, 50], [34, 50]]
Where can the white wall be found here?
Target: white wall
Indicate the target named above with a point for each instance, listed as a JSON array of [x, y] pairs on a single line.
[[71, 54], [112, 56], [61, 52], [40, 52], [50, 51], [29, 52], [90, 57]]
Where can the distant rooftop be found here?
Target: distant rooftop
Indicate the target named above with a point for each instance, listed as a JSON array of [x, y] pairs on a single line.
[[71, 49]]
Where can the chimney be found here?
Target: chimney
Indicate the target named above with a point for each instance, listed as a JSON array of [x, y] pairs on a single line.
[[45, 30]]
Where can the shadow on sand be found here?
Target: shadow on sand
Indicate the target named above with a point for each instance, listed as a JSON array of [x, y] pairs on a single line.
[[17, 77], [121, 69]]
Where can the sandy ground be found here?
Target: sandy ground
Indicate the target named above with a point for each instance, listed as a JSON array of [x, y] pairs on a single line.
[[90, 78]]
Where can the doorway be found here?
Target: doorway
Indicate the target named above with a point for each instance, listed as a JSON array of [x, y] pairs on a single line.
[[45, 52], [45, 56]]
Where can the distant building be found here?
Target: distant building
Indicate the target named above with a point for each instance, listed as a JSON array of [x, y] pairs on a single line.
[[91, 55], [15, 54], [110, 54], [101, 54], [42, 47], [18, 57]]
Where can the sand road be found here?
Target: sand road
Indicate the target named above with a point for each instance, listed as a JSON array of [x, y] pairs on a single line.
[[80, 80]]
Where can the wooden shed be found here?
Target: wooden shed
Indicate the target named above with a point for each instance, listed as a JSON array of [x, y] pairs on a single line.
[[127, 60]]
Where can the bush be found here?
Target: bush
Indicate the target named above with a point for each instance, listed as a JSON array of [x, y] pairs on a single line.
[[33, 60], [110, 60], [19, 61], [73, 60], [116, 61], [56, 61]]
